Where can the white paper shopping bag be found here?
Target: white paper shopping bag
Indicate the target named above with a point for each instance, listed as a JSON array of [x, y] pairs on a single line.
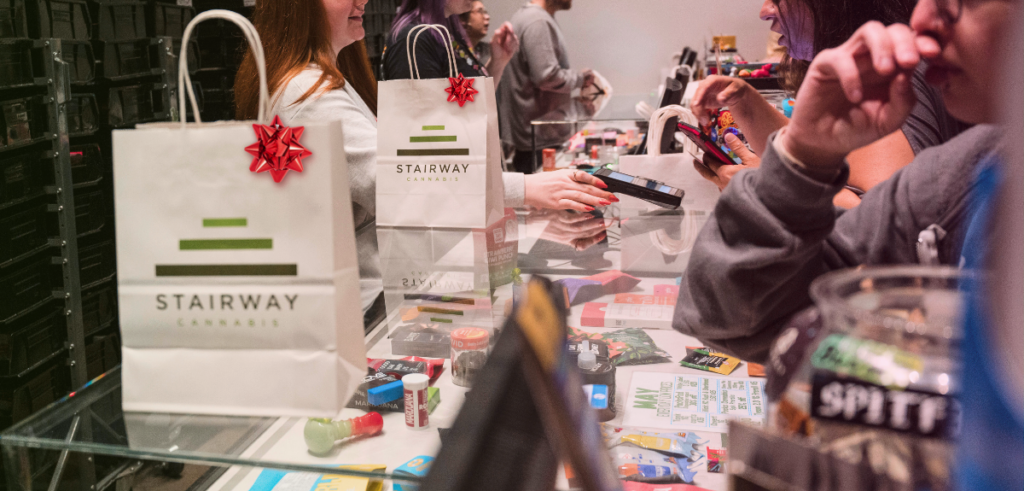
[[676, 169], [237, 294], [438, 160]]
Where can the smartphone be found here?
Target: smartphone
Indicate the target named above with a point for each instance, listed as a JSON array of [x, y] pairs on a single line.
[[649, 190], [704, 143]]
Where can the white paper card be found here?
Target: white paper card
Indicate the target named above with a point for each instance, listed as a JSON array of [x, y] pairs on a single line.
[[692, 402]]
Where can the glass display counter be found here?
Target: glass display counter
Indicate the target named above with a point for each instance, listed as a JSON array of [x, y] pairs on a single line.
[[596, 114], [86, 441]]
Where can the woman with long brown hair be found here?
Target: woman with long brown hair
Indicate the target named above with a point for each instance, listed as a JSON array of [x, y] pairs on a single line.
[[317, 69]]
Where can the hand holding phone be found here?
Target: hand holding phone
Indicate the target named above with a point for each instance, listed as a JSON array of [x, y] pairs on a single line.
[[704, 143], [649, 190]]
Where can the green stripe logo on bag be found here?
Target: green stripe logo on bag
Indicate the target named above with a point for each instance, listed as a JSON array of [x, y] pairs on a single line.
[[226, 244], [432, 138]]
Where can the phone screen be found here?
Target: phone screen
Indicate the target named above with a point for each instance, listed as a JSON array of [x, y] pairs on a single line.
[[639, 181], [695, 135], [618, 176]]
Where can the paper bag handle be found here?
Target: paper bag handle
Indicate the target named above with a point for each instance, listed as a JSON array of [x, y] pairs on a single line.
[[657, 126], [185, 81], [414, 67]]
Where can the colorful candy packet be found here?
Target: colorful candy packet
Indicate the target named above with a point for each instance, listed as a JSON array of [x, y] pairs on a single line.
[[640, 465], [709, 360], [681, 444]]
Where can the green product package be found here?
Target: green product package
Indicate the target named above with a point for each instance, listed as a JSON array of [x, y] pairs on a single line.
[[870, 361], [631, 346], [433, 399]]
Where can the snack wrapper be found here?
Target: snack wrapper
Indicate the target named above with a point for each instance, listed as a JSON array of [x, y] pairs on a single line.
[[647, 466], [680, 444], [709, 360]]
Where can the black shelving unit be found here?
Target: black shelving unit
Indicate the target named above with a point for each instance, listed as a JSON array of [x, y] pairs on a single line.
[[71, 72]]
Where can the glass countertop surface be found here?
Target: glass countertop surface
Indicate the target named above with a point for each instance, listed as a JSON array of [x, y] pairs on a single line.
[[638, 238]]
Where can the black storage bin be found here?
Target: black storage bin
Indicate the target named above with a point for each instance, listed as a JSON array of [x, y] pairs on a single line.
[[25, 231], [120, 60], [86, 164], [127, 106], [83, 115], [194, 58], [244, 7], [120, 20], [221, 44], [27, 283], [102, 353], [90, 211], [61, 19], [218, 104], [23, 395], [13, 20], [168, 18], [23, 122], [16, 68], [24, 176], [96, 262], [32, 339], [99, 307], [81, 61]]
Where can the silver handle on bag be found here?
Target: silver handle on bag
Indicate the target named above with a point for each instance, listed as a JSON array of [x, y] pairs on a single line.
[[657, 125], [185, 81], [414, 68]]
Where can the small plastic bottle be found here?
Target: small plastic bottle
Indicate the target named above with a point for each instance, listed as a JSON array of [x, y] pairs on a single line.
[[548, 163], [600, 372]]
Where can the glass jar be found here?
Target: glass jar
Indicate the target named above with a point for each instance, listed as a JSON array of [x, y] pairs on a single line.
[[469, 354], [877, 382]]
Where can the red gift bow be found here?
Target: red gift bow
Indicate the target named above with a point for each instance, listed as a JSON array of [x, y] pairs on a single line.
[[461, 90], [277, 149]]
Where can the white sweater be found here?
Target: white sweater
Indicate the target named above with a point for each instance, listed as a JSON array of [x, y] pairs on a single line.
[[360, 136]]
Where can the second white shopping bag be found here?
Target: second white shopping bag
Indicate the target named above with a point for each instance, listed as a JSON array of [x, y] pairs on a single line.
[[438, 150], [238, 288]]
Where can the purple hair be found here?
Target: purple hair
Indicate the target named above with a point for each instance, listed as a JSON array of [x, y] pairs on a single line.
[[416, 12]]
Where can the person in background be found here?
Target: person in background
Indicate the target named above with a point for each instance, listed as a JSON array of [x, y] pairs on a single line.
[[805, 28], [566, 190], [775, 229], [538, 79], [476, 22], [431, 55]]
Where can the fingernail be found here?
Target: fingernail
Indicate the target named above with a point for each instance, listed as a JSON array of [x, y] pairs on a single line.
[[614, 199], [588, 208], [605, 202], [602, 185]]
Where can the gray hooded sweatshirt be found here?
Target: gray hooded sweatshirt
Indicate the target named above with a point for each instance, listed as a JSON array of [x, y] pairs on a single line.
[[774, 230]]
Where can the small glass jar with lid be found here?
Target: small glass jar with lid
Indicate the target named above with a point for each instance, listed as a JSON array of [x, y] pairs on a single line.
[[469, 353]]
